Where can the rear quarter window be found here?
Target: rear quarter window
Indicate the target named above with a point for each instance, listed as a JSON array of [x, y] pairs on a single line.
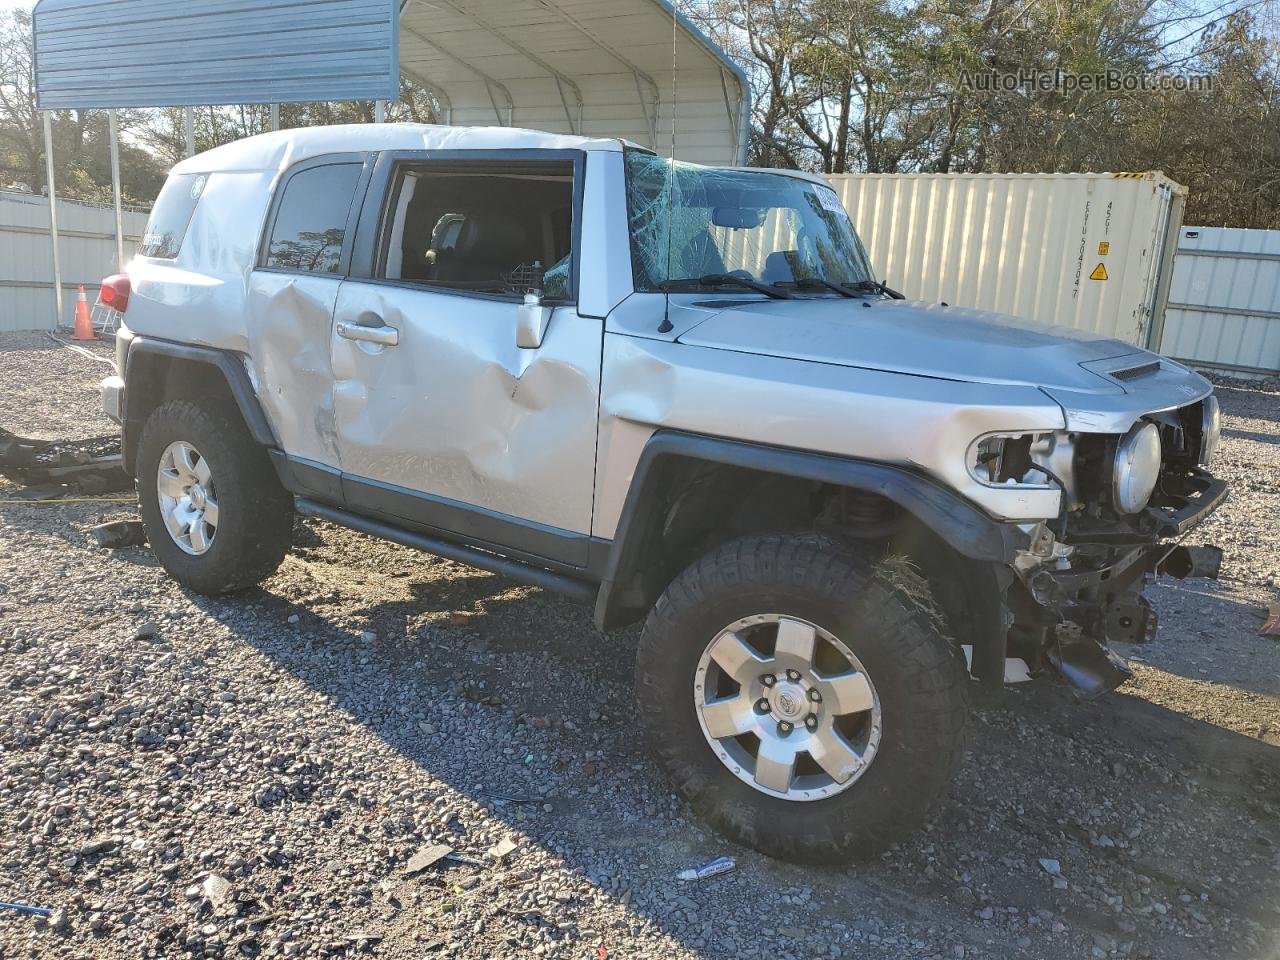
[[171, 216], [310, 225]]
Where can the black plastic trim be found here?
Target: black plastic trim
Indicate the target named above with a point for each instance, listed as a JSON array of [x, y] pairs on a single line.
[[965, 527], [1213, 492], [487, 528], [572, 587], [229, 364], [306, 478]]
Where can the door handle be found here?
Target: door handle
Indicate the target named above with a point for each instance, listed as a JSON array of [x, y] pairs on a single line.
[[382, 335]]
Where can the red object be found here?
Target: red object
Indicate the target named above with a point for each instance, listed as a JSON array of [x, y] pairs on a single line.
[[1272, 627], [84, 323], [115, 292]]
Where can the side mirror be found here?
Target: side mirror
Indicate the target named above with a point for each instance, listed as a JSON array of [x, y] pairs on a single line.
[[532, 319]]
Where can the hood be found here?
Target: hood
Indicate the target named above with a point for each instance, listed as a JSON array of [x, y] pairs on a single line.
[[950, 343]]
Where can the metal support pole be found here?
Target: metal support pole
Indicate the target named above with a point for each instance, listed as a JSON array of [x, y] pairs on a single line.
[[190, 120], [115, 187], [275, 116], [53, 214], [380, 111]]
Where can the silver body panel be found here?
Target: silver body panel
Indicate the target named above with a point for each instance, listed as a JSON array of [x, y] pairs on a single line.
[[605, 276], [112, 389], [441, 400], [202, 296], [868, 414], [290, 316], [457, 410]]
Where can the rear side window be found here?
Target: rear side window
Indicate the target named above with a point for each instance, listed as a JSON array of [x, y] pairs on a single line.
[[171, 216], [311, 219]]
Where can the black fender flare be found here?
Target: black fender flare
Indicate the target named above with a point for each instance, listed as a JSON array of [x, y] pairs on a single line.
[[229, 365], [960, 523]]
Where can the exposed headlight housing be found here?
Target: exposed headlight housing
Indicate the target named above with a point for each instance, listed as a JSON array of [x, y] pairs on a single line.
[[1136, 468], [1210, 428], [1025, 460]]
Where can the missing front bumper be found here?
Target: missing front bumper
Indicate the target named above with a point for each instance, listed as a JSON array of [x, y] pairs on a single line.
[[1091, 668], [1073, 617]]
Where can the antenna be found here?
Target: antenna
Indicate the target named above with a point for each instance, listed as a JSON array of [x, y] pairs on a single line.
[[671, 169], [675, 46]]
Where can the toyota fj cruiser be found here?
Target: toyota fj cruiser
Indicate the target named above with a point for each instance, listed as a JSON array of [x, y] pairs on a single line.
[[677, 393]]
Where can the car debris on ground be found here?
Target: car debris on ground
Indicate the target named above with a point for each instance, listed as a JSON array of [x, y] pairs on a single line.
[[24, 908], [133, 765], [502, 849], [427, 856], [117, 534], [710, 869], [1272, 627], [70, 466]]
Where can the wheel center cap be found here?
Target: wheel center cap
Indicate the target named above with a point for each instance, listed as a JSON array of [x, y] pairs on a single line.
[[789, 700], [197, 497]]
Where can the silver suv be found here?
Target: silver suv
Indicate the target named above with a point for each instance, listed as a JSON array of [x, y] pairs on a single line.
[[679, 394]]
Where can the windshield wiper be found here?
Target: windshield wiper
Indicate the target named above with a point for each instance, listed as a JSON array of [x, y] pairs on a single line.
[[816, 283], [874, 286], [728, 280]]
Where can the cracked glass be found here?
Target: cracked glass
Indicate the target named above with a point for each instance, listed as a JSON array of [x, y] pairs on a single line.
[[690, 222]]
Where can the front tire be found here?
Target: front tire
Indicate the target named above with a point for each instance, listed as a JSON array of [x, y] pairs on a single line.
[[800, 699], [213, 508]]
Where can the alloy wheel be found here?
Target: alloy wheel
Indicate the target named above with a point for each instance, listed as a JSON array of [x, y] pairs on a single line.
[[188, 503], [787, 707]]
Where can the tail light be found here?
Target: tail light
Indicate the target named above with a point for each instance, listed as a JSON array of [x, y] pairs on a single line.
[[115, 292]]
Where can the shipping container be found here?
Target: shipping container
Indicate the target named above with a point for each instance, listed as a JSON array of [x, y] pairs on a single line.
[[1224, 303], [1090, 251]]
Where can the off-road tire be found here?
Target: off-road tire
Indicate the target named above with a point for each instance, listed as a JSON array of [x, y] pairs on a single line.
[[921, 682], [255, 529]]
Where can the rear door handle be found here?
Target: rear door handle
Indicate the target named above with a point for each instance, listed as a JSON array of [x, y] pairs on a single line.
[[383, 335]]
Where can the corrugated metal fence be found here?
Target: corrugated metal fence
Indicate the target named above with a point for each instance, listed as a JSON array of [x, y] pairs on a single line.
[[1224, 304], [26, 258]]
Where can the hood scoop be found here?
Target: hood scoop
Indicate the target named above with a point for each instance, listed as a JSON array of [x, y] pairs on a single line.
[[1137, 371]]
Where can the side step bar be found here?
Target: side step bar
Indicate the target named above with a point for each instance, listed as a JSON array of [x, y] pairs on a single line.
[[579, 590]]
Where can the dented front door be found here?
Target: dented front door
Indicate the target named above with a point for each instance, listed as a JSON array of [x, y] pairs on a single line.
[[444, 423]]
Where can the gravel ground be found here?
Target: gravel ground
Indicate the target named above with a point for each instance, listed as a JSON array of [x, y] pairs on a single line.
[[188, 777]]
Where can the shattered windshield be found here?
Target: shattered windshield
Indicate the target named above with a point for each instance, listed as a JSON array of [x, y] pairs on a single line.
[[690, 222]]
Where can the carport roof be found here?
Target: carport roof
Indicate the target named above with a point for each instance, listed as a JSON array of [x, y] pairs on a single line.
[[595, 68]]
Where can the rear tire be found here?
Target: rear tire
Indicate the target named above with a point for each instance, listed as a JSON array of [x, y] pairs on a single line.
[[917, 696], [183, 443]]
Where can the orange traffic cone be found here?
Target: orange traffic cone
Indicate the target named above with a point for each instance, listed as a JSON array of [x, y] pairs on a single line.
[[84, 324]]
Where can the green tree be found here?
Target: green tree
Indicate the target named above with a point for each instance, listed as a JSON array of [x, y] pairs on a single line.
[[1222, 141], [81, 152]]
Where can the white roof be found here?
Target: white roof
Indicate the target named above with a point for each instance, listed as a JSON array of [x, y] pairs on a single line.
[[282, 149]]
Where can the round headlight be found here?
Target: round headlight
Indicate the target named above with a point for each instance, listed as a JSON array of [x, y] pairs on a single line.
[[1210, 428], [1137, 468]]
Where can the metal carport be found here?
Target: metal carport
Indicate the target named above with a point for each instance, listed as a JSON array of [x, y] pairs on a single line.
[[629, 68], [595, 67]]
